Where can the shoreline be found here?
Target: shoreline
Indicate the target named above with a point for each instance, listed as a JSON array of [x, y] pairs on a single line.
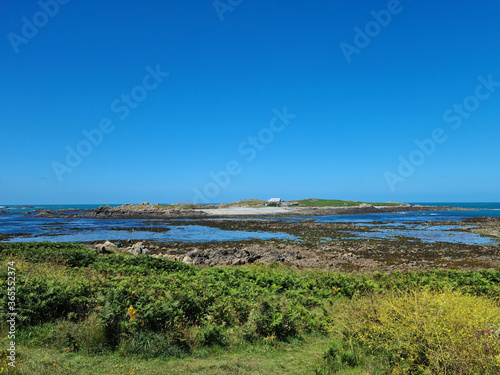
[[342, 253], [161, 212], [348, 247]]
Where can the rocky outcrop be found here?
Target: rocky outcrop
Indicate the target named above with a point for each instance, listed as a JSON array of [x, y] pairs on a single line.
[[139, 249], [145, 210], [105, 248], [220, 257], [108, 247], [109, 244], [365, 205]]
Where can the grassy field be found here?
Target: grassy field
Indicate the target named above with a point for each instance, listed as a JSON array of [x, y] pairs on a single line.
[[313, 202], [255, 203], [79, 313], [244, 203]]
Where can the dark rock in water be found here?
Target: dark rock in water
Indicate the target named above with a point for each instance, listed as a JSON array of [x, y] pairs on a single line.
[[45, 213]]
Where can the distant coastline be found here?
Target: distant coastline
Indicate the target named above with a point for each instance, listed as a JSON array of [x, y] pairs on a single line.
[[243, 208], [475, 205], [74, 206]]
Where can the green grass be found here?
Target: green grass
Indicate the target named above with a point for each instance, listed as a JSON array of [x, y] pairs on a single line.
[[280, 359], [386, 204], [255, 203], [314, 202], [82, 314], [244, 203]]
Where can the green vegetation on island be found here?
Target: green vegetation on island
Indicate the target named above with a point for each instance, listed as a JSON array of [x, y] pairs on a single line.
[[80, 313], [255, 203], [313, 202]]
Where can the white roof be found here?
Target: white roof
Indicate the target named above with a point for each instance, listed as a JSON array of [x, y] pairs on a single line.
[[274, 200]]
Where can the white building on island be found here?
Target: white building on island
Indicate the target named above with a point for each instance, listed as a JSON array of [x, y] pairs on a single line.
[[276, 201]]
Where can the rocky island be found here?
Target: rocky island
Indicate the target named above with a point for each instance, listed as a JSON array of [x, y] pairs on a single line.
[[241, 209], [311, 243]]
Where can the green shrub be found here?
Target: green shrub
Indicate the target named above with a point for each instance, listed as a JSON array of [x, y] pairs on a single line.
[[209, 335], [63, 253], [425, 331], [42, 298], [157, 307], [134, 265], [86, 336], [147, 344], [344, 357], [272, 317]]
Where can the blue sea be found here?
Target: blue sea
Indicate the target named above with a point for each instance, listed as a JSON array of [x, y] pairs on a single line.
[[408, 224]]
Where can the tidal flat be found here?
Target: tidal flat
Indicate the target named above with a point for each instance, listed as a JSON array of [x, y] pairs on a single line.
[[472, 244], [362, 238]]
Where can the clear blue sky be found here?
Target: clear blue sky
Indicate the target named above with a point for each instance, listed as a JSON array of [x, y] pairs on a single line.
[[360, 102]]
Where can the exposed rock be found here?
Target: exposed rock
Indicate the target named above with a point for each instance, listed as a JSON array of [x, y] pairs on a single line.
[[215, 257], [44, 213], [109, 244], [139, 249], [102, 249]]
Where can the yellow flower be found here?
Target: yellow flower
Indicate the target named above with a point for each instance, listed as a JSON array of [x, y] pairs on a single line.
[[132, 313]]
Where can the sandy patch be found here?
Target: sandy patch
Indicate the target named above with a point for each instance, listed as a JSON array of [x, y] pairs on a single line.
[[249, 211]]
